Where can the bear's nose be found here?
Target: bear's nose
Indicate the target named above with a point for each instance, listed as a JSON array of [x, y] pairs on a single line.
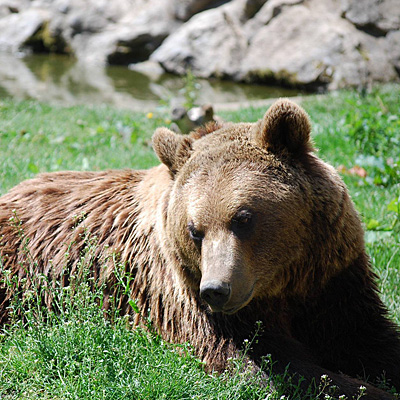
[[215, 293]]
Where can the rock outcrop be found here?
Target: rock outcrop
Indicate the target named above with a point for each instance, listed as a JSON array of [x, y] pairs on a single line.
[[300, 43]]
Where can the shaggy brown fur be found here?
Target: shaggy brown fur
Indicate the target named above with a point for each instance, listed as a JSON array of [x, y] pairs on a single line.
[[246, 219]]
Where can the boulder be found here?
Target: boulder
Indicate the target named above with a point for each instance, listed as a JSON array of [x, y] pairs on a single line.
[[139, 35], [211, 43], [266, 12], [312, 54], [185, 9], [17, 28], [118, 32], [245, 41], [376, 17], [99, 32], [393, 49], [12, 6], [299, 43]]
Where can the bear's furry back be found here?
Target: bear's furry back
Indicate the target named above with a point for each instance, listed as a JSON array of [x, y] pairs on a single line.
[[47, 222]]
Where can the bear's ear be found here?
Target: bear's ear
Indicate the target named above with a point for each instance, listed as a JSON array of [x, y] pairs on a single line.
[[285, 128], [172, 149]]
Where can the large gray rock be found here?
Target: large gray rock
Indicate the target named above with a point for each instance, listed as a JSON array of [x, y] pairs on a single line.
[[292, 42], [268, 10], [185, 9], [212, 43], [12, 6], [140, 34], [96, 31], [17, 28], [374, 16], [117, 32], [310, 53], [307, 43], [393, 48]]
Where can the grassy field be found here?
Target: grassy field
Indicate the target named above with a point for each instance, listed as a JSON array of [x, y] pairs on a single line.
[[76, 353]]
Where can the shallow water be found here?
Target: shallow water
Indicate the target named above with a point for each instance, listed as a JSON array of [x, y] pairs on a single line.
[[62, 80]]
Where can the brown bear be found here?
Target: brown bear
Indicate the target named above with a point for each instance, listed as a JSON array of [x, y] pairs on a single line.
[[240, 223]]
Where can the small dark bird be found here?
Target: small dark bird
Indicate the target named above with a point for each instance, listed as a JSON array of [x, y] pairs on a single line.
[[186, 121]]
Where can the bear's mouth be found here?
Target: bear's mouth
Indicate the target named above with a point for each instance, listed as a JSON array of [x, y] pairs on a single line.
[[232, 310], [237, 307]]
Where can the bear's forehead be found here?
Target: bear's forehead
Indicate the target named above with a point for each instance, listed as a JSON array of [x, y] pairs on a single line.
[[233, 133], [235, 161], [225, 188], [227, 166], [218, 201], [235, 146]]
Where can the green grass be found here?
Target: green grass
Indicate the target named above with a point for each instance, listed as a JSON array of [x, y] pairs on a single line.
[[91, 359], [76, 353], [38, 137]]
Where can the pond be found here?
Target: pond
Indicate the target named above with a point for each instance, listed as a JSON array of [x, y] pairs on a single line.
[[62, 80]]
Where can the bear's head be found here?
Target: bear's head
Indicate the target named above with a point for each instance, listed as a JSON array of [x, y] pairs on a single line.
[[251, 210]]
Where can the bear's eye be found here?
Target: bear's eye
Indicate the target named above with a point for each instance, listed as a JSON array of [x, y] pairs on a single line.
[[242, 222], [195, 235]]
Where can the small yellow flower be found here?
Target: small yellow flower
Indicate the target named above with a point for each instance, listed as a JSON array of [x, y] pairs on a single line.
[[149, 115]]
